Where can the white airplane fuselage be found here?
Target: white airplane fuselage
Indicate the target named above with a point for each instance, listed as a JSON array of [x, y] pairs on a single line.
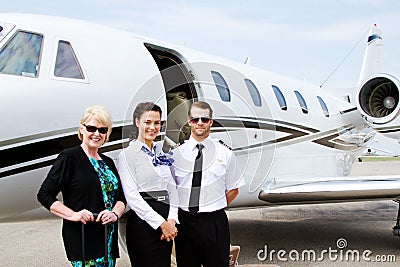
[[293, 140]]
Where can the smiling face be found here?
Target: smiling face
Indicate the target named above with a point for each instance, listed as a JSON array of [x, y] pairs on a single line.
[[200, 130], [92, 140], [149, 126]]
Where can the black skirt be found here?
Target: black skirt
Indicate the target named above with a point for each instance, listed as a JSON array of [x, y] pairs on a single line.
[[143, 242]]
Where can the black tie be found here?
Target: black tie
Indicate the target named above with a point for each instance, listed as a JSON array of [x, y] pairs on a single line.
[[196, 181]]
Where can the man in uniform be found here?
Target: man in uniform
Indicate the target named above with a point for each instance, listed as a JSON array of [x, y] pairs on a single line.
[[207, 181]]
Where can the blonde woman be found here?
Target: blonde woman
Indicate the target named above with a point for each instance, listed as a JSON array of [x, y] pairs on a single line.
[[89, 183]]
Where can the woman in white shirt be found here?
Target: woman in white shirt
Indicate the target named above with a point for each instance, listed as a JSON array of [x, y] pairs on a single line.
[[150, 192]]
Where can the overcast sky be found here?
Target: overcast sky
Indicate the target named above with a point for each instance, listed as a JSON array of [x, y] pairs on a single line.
[[304, 39]]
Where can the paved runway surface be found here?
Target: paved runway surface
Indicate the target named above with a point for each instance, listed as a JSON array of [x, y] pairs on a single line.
[[334, 233]]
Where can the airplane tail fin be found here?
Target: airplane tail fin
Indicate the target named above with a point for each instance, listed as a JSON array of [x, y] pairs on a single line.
[[372, 56]]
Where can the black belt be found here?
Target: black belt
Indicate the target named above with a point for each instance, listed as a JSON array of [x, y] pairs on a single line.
[[155, 195], [200, 214]]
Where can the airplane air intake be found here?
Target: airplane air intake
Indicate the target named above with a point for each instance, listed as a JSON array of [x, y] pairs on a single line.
[[379, 97], [378, 103]]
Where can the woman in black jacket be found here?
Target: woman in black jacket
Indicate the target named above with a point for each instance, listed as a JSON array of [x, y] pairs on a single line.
[[90, 184]]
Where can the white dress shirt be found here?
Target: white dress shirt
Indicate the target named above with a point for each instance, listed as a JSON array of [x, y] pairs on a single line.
[[138, 174], [219, 173]]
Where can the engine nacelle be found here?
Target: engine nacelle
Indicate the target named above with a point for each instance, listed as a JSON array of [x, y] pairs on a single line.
[[378, 103]]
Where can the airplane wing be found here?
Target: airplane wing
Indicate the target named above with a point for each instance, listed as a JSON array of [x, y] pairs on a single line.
[[381, 145], [335, 189]]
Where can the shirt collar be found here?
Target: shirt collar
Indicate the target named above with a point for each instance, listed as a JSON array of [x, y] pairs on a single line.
[[206, 142], [136, 146]]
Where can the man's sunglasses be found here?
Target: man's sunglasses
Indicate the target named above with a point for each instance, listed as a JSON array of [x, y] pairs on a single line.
[[203, 119], [93, 129]]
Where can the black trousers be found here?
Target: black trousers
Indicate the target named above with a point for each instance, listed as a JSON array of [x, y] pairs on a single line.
[[143, 242], [203, 239]]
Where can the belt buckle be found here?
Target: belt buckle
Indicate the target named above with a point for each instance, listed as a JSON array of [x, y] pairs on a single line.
[[162, 198]]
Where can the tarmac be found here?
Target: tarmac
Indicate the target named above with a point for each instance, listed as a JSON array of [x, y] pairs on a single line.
[[344, 234]]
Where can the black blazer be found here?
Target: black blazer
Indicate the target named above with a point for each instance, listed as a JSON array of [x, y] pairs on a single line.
[[73, 175]]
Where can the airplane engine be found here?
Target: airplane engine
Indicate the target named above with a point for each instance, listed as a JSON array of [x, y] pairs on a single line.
[[378, 103]]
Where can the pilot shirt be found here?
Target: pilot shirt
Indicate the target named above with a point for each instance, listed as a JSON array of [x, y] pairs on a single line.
[[138, 174], [218, 173]]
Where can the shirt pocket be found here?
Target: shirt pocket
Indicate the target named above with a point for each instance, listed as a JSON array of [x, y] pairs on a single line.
[[181, 172], [181, 175], [218, 168]]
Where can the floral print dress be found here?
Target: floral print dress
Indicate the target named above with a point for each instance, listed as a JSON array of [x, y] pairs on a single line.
[[109, 186]]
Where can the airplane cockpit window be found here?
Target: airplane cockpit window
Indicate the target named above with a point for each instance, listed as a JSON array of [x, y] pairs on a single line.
[[20, 56], [279, 96], [222, 86], [255, 94], [302, 102], [67, 65], [323, 106]]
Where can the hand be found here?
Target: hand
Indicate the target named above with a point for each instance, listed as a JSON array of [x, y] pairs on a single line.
[[172, 222], [84, 216], [106, 217], [169, 231]]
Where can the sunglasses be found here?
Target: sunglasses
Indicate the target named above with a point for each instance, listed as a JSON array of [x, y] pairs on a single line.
[[197, 119], [93, 129]]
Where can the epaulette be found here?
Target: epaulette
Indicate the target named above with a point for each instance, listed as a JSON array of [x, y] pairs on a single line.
[[222, 143]]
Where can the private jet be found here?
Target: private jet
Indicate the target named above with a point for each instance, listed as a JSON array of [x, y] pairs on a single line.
[[294, 142]]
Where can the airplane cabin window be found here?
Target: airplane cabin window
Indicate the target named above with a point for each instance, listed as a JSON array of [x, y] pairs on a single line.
[[222, 86], [279, 96], [255, 94], [67, 65], [20, 56], [323, 106], [302, 102]]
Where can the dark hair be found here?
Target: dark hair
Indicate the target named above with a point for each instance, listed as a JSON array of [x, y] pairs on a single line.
[[137, 113], [201, 105]]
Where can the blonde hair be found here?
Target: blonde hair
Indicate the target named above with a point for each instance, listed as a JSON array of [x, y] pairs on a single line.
[[100, 114]]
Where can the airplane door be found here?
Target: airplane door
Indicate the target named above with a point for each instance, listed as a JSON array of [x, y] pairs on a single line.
[[179, 92]]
